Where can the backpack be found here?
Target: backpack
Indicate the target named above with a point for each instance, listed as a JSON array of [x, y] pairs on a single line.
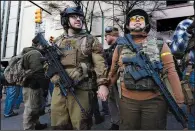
[[15, 74]]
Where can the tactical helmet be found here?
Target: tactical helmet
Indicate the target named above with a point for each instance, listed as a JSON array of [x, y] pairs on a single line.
[[137, 12], [70, 11]]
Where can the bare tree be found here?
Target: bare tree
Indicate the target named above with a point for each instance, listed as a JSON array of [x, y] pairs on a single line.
[[58, 6], [55, 7], [121, 8], [124, 7]]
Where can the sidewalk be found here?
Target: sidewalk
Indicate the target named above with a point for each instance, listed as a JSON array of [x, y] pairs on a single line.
[[15, 123]]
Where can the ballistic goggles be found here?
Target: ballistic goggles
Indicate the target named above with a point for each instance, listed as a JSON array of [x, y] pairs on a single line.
[[137, 17]]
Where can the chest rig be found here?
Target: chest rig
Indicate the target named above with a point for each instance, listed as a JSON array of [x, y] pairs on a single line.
[[77, 58], [140, 81]]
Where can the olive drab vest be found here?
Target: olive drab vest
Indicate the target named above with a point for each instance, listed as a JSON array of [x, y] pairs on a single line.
[[152, 48], [77, 58]]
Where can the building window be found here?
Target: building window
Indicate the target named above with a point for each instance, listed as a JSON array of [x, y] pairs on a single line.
[[170, 3], [169, 24]]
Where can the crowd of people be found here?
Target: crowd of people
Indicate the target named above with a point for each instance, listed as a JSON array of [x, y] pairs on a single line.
[[102, 73]]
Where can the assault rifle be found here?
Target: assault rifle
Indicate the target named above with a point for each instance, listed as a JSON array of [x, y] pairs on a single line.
[[52, 57], [148, 69]]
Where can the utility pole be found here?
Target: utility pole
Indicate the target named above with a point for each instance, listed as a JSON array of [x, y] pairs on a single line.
[[103, 28], [113, 13], [102, 24]]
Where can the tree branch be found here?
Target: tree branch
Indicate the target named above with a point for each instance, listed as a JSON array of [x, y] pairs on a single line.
[[91, 18]]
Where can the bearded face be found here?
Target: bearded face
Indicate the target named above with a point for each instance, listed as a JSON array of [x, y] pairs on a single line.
[[137, 23], [76, 21]]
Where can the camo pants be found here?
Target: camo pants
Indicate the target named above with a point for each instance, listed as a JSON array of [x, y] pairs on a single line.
[[33, 99], [66, 113]]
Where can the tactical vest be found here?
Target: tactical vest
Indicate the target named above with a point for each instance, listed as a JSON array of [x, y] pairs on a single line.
[[151, 48], [77, 59]]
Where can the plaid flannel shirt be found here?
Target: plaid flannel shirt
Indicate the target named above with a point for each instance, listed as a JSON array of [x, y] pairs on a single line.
[[181, 38]]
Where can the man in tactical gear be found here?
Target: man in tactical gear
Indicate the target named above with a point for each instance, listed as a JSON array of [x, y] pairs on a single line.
[[111, 35], [141, 104], [33, 87], [82, 55]]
